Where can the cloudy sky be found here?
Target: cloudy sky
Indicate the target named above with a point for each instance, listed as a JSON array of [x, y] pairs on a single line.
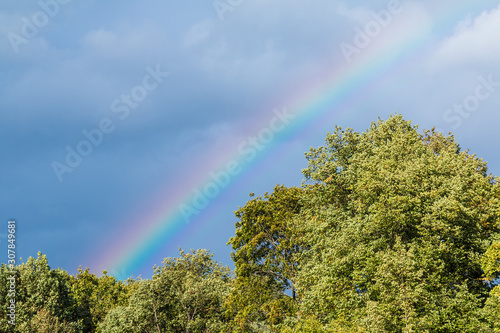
[[129, 129]]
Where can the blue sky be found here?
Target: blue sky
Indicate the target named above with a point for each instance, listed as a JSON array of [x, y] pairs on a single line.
[[168, 90]]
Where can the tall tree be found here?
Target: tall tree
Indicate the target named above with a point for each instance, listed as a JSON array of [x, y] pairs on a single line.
[[264, 249], [397, 222]]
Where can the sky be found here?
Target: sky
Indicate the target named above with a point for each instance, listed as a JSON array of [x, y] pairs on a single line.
[[129, 129]]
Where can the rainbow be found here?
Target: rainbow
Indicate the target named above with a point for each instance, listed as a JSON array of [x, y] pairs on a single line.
[[314, 104]]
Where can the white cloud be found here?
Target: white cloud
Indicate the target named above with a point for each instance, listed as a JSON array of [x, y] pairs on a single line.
[[126, 42], [100, 39], [198, 33], [475, 40]]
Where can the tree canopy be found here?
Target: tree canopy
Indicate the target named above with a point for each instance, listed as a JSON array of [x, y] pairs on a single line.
[[398, 222], [392, 230]]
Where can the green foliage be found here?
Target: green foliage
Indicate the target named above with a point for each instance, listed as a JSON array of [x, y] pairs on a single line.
[[122, 319], [45, 322], [397, 223], [265, 246], [393, 231], [95, 296], [51, 300], [492, 308], [186, 294], [491, 266], [43, 300]]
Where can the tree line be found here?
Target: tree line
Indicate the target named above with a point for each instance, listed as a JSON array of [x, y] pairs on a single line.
[[393, 230]]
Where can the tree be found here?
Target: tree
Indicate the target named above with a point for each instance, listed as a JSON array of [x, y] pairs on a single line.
[[43, 300], [95, 296], [185, 294], [397, 223], [264, 247], [122, 319], [491, 267], [393, 231]]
